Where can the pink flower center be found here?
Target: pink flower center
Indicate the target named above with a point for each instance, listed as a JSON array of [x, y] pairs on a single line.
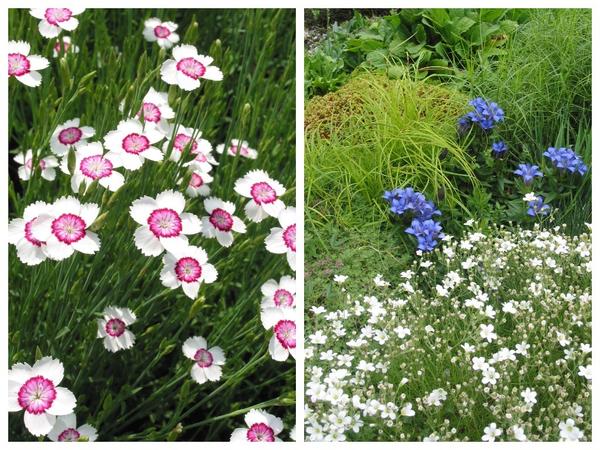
[[260, 432], [234, 149], [68, 228], [203, 358], [190, 67], [151, 112], [69, 435], [283, 297], [221, 219], [96, 167], [36, 395], [115, 327], [182, 141], [196, 181], [18, 65], [165, 222], [188, 270], [135, 143], [70, 136], [29, 164], [285, 332], [56, 15], [161, 32], [65, 46], [289, 237], [29, 235], [262, 192]]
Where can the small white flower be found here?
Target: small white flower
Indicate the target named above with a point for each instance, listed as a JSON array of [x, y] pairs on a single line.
[[188, 68], [487, 332], [45, 164], [530, 197], [54, 20], [340, 278], [529, 395], [207, 361], [586, 371], [113, 328], [163, 33], [65, 430], [569, 432], [491, 432]]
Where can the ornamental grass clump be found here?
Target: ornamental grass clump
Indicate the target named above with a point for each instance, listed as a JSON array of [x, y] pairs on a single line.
[[488, 338]]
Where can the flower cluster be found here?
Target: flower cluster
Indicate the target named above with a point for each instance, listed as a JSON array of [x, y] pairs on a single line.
[[414, 204], [48, 407], [150, 133], [485, 114], [487, 339], [566, 159]]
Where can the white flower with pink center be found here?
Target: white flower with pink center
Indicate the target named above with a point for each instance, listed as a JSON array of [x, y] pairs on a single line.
[[113, 328], [188, 67], [237, 146], [30, 249], [282, 321], [263, 192], [280, 294], [63, 46], [163, 33], [261, 427], [69, 135], [45, 165], [188, 140], [156, 111], [220, 222], [164, 225], [131, 144], [36, 390], [23, 66], [207, 361], [91, 164], [65, 430], [54, 20], [199, 184], [64, 228], [187, 267], [283, 239]]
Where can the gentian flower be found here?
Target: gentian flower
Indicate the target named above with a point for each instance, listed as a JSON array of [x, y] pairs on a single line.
[[91, 164], [63, 228], [164, 225], [113, 328], [427, 233], [69, 135], [408, 201], [264, 193], [485, 114], [30, 249], [499, 148], [23, 66], [283, 239], [54, 20], [46, 165], [262, 427], [280, 294], [208, 361], [537, 207], [282, 321], [528, 172], [131, 144], [187, 267], [65, 430], [64, 45], [199, 184], [566, 159], [237, 146], [188, 139], [35, 390], [188, 67], [163, 33], [220, 223]]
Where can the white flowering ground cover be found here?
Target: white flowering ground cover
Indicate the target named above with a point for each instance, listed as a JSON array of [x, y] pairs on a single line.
[[152, 225], [486, 338]]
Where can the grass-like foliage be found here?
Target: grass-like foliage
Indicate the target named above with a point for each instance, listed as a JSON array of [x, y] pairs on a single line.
[[146, 392], [487, 338], [400, 132]]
